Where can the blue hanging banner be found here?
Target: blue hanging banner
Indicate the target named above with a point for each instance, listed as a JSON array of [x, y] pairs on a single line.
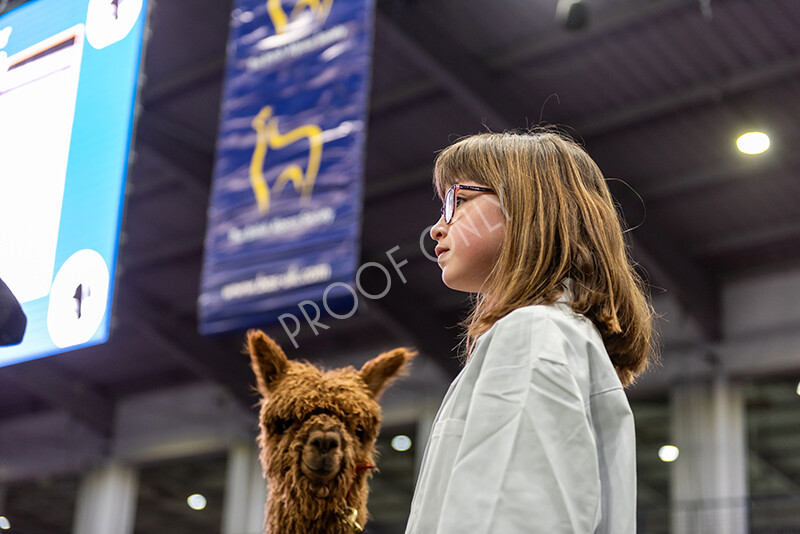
[[285, 210]]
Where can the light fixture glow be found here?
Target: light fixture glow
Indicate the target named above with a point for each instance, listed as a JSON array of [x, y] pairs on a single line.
[[196, 501], [798, 388], [668, 453], [401, 443], [753, 142], [4, 523]]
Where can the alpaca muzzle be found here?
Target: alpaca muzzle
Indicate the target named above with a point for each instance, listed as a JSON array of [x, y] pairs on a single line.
[[322, 453]]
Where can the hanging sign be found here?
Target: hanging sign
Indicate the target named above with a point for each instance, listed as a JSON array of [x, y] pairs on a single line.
[[285, 209]]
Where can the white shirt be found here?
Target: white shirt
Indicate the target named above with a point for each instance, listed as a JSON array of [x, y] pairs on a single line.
[[534, 435]]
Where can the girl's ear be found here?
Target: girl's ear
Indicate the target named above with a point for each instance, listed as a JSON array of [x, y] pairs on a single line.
[[379, 372], [267, 359]]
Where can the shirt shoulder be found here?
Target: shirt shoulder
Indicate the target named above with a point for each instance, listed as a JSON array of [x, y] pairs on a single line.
[[552, 335], [550, 331]]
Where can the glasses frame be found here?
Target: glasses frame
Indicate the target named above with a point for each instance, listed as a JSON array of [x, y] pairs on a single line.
[[449, 206]]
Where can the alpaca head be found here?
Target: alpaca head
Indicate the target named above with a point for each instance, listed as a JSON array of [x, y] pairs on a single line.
[[318, 428]]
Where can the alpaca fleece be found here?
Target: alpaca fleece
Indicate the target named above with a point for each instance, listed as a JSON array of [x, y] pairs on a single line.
[[317, 439]]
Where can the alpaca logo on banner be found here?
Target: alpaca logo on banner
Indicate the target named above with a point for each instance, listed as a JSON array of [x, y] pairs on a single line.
[[268, 136], [317, 9]]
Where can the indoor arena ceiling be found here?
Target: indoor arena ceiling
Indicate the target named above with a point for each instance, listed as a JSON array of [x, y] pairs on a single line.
[[656, 90]]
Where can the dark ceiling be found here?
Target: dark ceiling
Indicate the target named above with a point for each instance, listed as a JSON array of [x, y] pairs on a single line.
[[656, 90]]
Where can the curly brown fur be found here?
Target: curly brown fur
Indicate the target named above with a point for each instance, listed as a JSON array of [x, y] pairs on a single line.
[[317, 428]]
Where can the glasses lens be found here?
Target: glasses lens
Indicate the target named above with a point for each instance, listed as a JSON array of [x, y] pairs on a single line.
[[449, 204]]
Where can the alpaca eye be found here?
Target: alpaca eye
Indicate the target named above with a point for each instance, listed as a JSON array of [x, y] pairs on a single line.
[[361, 432], [279, 426]]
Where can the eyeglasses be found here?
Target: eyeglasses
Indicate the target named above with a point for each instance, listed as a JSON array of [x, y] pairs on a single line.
[[449, 208]]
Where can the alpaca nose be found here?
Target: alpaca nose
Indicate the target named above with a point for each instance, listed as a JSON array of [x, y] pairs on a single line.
[[323, 452], [325, 441]]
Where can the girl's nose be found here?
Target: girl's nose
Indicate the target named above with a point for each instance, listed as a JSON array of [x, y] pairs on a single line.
[[439, 230]]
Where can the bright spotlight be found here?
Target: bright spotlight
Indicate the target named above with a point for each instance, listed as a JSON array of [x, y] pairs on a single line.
[[668, 453], [4, 523], [753, 142], [401, 443], [196, 501], [798, 388]]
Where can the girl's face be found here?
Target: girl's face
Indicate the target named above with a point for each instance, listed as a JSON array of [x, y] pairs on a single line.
[[468, 247]]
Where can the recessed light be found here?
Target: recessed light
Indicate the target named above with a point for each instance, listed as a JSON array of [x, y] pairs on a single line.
[[401, 443], [196, 501], [753, 142], [668, 453]]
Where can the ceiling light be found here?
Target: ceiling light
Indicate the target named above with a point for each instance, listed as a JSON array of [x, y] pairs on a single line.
[[401, 443], [4, 524], [196, 501], [753, 142], [798, 388], [668, 453]]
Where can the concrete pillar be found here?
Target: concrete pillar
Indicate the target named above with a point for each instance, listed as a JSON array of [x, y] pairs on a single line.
[[709, 478], [245, 492], [107, 501]]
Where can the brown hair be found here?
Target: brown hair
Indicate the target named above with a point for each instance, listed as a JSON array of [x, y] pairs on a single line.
[[561, 224]]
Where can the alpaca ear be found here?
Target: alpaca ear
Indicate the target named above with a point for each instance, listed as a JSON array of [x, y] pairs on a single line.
[[267, 359], [379, 372]]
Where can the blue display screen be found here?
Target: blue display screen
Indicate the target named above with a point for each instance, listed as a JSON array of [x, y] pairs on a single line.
[[68, 82]]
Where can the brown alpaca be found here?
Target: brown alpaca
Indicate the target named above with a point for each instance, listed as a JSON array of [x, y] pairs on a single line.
[[317, 440]]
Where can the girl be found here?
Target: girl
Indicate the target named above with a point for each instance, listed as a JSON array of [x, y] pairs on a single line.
[[535, 434]]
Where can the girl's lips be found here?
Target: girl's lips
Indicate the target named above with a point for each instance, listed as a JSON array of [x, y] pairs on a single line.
[[440, 251]]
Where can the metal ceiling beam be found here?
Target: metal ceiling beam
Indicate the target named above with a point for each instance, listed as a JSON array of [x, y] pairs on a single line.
[[386, 187], [161, 254], [185, 80], [169, 346], [473, 84], [403, 96], [617, 18], [169, 172], [479, 78], [663, 189], [750, 356], [770, 462], [192, 158], [81, 400], [204, 356], [213, 68], [668, 268], [181, 145], [464, 77], [630, 114], [768, 235]]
